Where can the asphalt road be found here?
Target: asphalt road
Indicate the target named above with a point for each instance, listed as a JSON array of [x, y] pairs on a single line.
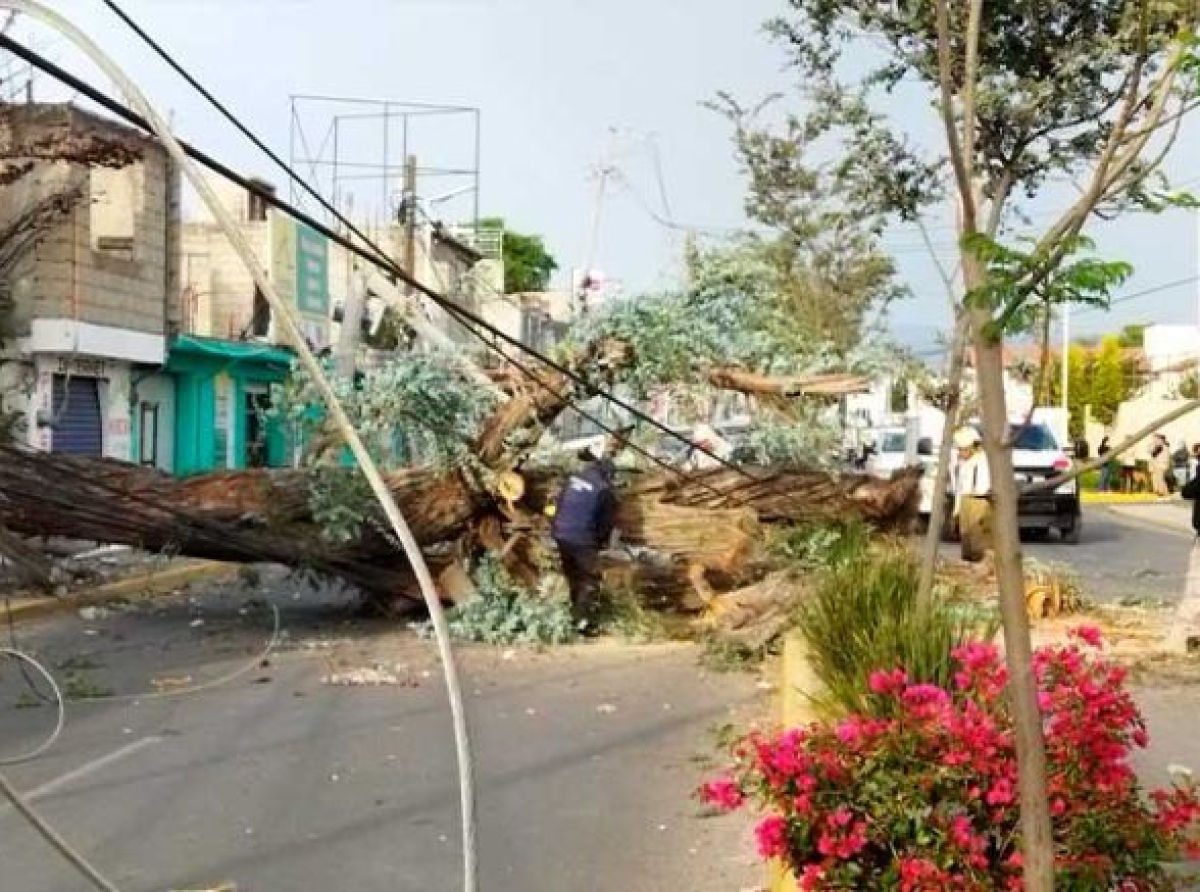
[[1122, 558], [274, 780], [586, 757]]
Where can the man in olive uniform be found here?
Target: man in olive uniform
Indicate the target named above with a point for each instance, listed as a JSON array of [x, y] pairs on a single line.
[[972, 495]]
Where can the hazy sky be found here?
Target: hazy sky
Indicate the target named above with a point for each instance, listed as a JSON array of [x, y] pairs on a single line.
[[551, 77]]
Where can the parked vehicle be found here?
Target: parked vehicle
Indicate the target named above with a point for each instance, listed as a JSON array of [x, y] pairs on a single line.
[[1037, 457], [890, 455]]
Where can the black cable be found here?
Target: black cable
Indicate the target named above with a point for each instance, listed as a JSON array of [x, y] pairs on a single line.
[[379, 258]]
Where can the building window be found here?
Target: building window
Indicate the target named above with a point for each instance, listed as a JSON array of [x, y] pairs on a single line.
[[148, 434], [260, 321]]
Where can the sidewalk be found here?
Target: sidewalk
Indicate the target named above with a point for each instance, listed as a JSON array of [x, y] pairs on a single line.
[[1175, 515], [157, 581]]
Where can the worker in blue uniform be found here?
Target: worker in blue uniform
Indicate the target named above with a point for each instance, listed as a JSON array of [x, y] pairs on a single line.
[[583, 524]]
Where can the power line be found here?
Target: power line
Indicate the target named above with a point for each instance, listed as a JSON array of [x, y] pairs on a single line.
[[1137, 295], [371, 253], [583, 413]]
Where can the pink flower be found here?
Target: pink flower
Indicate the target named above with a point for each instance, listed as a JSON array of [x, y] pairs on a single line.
[[724, 793], [1089, 635], [893, 682], [771, 834]]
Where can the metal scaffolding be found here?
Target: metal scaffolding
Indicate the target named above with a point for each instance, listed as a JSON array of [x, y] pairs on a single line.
[[353, 150]]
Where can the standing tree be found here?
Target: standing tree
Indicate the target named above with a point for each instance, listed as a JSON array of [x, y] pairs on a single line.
[[528, 265], [1026, 91], [1110, 386]]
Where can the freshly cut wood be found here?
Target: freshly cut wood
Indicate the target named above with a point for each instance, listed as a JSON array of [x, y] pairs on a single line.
[[756, 615]]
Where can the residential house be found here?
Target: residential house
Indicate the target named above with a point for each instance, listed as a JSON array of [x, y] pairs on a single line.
[[230, 350], [89, 224]]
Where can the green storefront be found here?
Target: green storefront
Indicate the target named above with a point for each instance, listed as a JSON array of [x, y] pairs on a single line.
[[222, 390]]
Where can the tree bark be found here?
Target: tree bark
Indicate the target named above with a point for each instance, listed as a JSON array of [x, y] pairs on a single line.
[[1037, 839], [753, 383], [937, 511]]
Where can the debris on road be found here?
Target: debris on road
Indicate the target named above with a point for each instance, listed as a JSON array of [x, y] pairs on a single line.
[[370, 676]]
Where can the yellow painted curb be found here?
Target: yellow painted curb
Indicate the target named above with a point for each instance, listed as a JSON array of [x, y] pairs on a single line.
[[145, 586], [797, 688], [1118, 498]]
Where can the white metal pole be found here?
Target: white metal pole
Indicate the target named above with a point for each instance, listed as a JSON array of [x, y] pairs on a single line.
[[283, 312]]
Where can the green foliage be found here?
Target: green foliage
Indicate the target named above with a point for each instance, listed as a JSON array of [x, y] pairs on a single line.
[[1189, 387], [1133, 337], [865, 616], [1087, 280], [502, 612], [528, 266], [1101, 378], [1108, 384], [418, 407], [341, 501], [818, 546]]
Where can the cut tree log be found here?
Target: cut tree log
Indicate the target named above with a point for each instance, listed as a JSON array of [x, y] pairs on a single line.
[[263, 516]]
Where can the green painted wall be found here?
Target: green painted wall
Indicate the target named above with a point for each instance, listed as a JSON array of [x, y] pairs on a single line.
[[212, 376]]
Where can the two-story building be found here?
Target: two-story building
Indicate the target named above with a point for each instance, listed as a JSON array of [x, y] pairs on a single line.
[[89, 225]]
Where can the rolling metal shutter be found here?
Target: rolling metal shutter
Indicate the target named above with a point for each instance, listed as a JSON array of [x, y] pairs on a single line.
[[79, 425]]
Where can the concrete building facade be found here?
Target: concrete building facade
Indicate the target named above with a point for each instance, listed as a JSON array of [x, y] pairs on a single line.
[[93, 293]]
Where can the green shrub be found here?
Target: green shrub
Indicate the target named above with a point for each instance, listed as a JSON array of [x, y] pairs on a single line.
[[864, 616], [816, 546], [503, 612]]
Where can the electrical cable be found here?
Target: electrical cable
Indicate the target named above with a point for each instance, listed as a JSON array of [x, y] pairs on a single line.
[[371, 253], [351, 437], [64, 848], [25, 660], [219, 682]]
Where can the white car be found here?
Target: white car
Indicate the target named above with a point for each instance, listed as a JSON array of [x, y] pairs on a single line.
[[890, 454]]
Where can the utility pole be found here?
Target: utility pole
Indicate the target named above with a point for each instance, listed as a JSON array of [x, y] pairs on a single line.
[[602, 175], [409, 203], [1066, 367]]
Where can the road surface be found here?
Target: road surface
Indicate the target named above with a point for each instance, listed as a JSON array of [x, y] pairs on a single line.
[[587, 757], [1126, 554]]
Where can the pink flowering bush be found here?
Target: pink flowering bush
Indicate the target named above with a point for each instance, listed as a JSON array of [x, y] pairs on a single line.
[[922, 795]]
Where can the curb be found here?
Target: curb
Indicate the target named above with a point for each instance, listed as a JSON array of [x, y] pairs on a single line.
[[135, 588], [797, 686], [1182, 529]]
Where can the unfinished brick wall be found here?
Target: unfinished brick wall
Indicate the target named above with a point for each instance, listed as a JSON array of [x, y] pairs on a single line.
[[110, 259]]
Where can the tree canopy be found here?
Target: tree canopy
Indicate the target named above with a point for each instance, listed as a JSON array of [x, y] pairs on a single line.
[[528, 265]]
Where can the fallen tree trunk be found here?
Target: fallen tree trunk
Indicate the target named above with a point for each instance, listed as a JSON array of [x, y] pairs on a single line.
[[709, 522]]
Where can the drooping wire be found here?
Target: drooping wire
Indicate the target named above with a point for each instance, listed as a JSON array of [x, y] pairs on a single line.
[[28, 662]]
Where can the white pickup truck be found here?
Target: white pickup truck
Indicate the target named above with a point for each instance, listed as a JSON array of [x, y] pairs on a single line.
[[1037, 457]]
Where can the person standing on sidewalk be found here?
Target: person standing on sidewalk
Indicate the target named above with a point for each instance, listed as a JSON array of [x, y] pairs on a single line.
[[583, 524], [1108, 469], [1160, 466], [973, 495]]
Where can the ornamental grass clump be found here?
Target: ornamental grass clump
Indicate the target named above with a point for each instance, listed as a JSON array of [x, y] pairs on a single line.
[[866, 615], [922, 795]]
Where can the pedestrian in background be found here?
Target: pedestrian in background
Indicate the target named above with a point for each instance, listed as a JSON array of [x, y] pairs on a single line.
[[1160, 466], [1129, 464], [1108, 470]]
